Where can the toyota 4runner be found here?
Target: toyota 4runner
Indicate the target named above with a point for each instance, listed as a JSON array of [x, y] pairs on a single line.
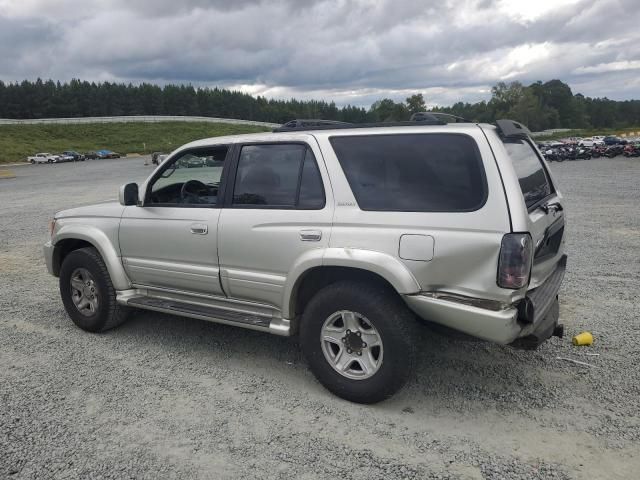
[[344, 235]]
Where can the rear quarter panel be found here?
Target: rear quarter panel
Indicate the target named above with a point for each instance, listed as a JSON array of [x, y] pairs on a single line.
[[466, 245]]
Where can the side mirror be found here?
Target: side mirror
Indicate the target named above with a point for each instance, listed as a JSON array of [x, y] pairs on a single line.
[[128, 194]]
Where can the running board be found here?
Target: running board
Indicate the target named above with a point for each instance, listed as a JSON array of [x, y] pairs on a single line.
[[253, 321]]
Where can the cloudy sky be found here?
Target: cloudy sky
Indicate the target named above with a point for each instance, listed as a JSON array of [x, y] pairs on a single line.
[[348, 51]]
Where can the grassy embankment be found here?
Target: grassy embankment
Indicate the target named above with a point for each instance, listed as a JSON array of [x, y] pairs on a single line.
[[19, 141]]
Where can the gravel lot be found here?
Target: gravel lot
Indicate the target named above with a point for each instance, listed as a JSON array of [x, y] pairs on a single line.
[[165, 397]]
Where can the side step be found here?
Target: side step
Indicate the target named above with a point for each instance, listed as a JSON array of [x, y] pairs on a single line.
[[243, 319]]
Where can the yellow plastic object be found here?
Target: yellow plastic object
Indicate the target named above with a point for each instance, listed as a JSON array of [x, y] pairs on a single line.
[[582, 339]]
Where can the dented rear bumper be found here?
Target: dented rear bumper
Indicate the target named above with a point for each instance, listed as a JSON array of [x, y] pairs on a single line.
[[504, 324]]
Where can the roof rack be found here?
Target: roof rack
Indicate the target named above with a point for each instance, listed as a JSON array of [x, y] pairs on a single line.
[[512, 129], [311, 124], [301, 125], [445, 117]]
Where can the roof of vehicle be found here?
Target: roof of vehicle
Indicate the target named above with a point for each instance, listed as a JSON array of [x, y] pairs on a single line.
[[307, 134], [507, 128]]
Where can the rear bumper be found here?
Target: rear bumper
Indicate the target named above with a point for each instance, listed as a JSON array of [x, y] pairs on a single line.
[[505, 325]]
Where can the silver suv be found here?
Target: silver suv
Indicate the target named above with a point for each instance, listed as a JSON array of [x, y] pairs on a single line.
[[344, 235]]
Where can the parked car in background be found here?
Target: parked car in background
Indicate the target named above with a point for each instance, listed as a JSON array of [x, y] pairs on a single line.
[[107, 154], [194, 162], [591, 142], [190, 161], [62, 157], [43, 158], [77, 157], [101, 154], [613, 140]]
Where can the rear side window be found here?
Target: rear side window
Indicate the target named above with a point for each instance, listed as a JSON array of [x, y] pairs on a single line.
[[278, 176], [434, 172], [534, 183]]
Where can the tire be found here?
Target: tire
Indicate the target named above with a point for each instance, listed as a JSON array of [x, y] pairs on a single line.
[[33, 162], [391, 320], [107, 313]]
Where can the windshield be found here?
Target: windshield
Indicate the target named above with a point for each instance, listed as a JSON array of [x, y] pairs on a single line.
[[534, 182]]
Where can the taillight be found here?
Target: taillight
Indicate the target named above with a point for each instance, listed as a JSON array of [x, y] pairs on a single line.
[[514, 266]]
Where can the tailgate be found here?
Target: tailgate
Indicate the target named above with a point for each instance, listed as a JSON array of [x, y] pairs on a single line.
[[545, 218]]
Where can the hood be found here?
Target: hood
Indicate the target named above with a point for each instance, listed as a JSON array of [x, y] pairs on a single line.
[[107, 209]]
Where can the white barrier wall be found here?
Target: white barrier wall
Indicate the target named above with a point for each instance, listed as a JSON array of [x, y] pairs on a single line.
[[135, 118]]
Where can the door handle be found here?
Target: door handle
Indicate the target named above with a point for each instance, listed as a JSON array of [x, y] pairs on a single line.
[[199, 229], [310, 235]]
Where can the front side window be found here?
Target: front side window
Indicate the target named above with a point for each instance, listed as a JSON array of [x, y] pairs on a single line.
[[434, 172], [534, 182], [192, 179], [278, 175]]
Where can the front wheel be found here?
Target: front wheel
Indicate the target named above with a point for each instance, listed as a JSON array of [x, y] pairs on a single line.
[[87, 292], [359, 340]]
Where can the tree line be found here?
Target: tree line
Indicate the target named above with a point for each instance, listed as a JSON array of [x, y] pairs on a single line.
[[540, 105]]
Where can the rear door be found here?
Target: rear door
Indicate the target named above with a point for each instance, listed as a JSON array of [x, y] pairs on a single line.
[[277, 208], [543, 203]]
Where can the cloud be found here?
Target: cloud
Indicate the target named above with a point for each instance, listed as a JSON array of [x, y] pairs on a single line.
[[609, 67], [350, 51]]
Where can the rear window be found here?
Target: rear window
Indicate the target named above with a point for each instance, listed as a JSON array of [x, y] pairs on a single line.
[[534, 183], [434, 172]]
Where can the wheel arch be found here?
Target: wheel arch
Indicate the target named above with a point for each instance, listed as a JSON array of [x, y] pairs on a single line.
[[319, 268], [69, 239]]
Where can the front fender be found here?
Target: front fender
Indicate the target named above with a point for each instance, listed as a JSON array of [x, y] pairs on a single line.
[[103, 244], [382, 264]]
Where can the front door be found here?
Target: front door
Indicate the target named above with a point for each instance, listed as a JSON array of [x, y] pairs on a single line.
[[170, 241], [277, 210]]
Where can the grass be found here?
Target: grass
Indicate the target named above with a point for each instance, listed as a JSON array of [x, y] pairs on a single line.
[[17, 142]]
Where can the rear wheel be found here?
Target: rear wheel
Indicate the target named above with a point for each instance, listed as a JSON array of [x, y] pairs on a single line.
[[87, 292], [359, 340]]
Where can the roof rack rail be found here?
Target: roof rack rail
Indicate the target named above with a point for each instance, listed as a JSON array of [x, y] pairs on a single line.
[[512, 129], [310, 124], [445, 117], [302, 125]]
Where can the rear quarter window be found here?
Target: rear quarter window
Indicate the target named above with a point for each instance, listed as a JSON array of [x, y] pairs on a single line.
[[431, 172], [533, 179]]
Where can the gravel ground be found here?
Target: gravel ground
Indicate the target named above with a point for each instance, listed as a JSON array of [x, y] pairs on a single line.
[[166, 397]]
